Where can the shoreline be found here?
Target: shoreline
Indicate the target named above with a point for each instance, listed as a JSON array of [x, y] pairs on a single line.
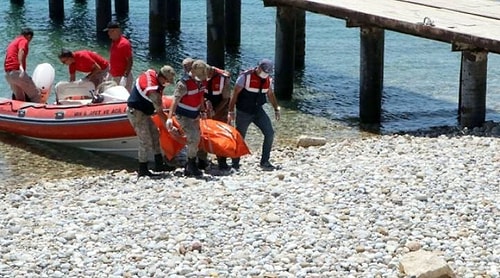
[[351, 208]]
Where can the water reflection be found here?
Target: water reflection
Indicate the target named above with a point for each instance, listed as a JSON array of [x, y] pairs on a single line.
[[16, 18], [28, 161]]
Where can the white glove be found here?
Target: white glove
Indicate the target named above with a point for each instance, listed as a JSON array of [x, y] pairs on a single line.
[[169, 124], [277, 114], [230, 118], [123, 81]]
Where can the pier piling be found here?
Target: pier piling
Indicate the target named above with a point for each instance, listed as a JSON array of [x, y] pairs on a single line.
[[233, 24], [215, 33], [285, 52], [371, 74], [300, 38], [56, 10], [157, 27], [173, 15], [121, 8], [103, 17], [473, 88]]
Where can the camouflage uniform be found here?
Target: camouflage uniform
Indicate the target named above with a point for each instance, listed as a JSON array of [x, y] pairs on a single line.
[[190, 126], [219, 111], [146, 130]]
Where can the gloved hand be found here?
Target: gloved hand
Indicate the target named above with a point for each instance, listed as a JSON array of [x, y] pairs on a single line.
[[230, 117], [123, 81], [209, 107], [169, 124], [277, 114], [22, 71]]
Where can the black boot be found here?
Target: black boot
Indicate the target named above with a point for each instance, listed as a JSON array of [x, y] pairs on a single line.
[[236, 163], [202, 164], [222, 163], [143, 170], [192, 169], [160, 165]]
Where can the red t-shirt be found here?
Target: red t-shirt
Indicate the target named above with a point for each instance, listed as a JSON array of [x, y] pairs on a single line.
[[11, 55], [85, 60], [118, 54]]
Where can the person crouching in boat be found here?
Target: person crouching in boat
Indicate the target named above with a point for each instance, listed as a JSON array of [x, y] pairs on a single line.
[[144, 101], [23, 87], [188, 103], [85, 61]]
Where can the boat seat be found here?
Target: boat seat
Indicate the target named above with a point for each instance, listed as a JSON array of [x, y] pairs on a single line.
[[78, 92]]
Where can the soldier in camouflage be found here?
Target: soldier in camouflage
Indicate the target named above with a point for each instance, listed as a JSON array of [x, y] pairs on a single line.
[[145, 100]]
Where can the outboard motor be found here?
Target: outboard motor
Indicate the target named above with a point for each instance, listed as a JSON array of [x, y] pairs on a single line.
[[43, 77]]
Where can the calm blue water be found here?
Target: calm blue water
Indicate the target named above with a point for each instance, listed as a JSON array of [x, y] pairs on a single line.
[[421, 76]]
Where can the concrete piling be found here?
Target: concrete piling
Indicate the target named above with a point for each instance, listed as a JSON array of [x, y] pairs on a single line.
[[472, 110]]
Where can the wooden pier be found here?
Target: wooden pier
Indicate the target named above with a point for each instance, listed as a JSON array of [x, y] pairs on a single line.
[[470, 26]]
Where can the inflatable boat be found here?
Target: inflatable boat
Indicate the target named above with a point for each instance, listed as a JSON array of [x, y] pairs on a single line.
[[84, 119], [74, 119]]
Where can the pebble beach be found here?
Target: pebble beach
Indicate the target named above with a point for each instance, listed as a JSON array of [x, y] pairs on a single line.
[[350, 208]]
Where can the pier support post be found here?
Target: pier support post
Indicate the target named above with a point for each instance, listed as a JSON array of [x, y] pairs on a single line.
[[215, 33], [285, 55], [472, 110], [371, 74], [121, 8], [157, 17], [300, 39], [56, 10], [233, 24], [173, 14], [103, 16]]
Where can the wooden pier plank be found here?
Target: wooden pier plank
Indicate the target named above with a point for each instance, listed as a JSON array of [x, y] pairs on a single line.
[[486, 8], [453, 23]]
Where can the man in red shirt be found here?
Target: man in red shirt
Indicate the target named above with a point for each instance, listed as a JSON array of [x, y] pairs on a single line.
[[20, 82], [85, 61], [120, 57]]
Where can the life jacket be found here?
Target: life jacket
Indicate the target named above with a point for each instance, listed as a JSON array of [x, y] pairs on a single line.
[[215, 86], [144, 85], [189, 104], [254, 93]]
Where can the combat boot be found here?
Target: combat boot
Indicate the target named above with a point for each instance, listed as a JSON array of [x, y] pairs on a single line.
[[221, 161], [236, 164], [191, 169], [202, 164], [143, 170], [160, 165]]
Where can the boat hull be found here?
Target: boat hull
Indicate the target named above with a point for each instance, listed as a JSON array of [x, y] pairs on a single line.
[[123, 146]]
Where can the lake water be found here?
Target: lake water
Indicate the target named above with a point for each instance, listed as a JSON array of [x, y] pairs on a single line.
[[420, 85]]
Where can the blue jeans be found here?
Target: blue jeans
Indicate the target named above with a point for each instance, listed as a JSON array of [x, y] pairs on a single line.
[[262, 121]]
